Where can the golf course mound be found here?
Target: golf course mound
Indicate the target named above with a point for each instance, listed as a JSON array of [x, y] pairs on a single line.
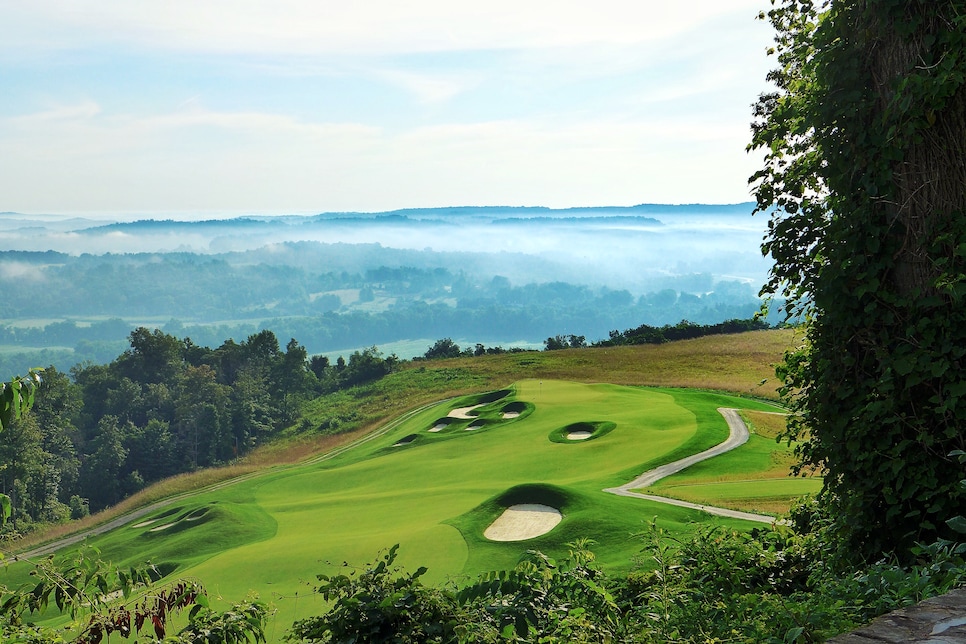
[[188, 534], [197, 514], [157, 518], [522, 522], [582, 431], [465, 413], [440, 424], [182, 520], [523, 512], [406, 440], [515, 409], [493, 396]]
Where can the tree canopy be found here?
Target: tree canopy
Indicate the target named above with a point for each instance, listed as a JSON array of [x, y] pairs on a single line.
[[864, 178]]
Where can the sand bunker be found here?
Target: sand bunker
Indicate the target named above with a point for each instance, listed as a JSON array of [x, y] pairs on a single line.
[[510, 414], [579, 435], [144, 524], [524, 521], [437, 428], [162, 527], [464, 412]]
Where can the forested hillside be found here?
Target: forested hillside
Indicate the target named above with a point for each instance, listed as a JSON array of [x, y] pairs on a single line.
[[162, 407], [78, 308]]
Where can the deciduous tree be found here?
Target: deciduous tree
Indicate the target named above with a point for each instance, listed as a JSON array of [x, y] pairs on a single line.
[[864, 178]]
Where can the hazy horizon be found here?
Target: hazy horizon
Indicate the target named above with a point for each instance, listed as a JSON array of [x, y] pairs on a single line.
[[634, 250], [301, 107]]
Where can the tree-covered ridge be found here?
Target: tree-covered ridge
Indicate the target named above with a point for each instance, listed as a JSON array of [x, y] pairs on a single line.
[[683, 330], [213, 298], [164, 406]]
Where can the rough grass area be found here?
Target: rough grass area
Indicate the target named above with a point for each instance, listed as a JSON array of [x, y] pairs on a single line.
[[754, 478]]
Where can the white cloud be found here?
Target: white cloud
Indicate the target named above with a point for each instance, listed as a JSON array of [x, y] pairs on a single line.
[[205, 160], [425, 87], [366, 27], [558, 104]]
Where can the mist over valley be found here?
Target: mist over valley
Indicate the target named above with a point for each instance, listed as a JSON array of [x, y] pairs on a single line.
[[342, 281]]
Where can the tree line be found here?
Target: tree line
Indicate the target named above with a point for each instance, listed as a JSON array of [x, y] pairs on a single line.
[[164, 406], [490, 319], [683, 330]]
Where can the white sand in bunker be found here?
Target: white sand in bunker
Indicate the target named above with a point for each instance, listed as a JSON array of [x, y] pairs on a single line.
[[580, 435], [162, 527], [437, 428], [144, 524], [510, 414], [464, 412], [523, 521]]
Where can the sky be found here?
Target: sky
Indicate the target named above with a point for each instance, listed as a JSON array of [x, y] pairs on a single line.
[[199, 107]]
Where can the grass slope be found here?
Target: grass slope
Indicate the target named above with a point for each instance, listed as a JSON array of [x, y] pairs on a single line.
[[435, 492], [754, 478]]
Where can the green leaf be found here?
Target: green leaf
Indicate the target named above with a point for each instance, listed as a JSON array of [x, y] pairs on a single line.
[[957, 523]]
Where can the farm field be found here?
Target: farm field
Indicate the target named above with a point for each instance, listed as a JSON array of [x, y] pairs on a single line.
[[437, 477]]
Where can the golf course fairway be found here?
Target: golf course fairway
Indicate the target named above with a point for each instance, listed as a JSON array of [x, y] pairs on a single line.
[[433, 480]]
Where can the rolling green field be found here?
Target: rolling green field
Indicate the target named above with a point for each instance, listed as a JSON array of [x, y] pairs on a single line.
[[434, 492]]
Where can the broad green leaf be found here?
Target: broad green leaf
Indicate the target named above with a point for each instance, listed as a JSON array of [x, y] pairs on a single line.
[[957, 523]]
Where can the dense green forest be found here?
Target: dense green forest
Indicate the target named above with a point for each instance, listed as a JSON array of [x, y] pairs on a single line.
[[162, 407], [89, 304]]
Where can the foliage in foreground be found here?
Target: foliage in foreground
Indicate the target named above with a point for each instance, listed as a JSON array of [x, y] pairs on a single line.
[[539, 600], [101, 600], [769, 585], [864, 141]]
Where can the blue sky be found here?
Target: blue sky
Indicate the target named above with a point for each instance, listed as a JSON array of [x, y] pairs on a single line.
[[293, 106]]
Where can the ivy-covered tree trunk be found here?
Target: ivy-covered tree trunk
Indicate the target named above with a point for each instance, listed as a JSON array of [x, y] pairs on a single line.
[[865, 177]]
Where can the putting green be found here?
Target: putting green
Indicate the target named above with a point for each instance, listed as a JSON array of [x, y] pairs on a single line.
[[433, 483]]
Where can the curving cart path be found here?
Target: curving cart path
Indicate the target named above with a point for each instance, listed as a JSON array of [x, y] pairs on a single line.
[[737, 435]]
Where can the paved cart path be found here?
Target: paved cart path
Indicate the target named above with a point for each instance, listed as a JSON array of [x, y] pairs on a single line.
[[737, 436]]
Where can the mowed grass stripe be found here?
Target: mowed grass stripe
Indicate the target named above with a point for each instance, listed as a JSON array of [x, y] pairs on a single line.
[[435, 495]]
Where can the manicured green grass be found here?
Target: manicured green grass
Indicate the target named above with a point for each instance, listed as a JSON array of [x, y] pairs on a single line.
[[754, 478], [435, 492]]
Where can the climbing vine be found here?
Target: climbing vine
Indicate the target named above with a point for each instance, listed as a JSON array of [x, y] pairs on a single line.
[[864, 180]]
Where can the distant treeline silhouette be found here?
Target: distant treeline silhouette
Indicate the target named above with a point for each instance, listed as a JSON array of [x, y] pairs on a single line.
[[683, 330]]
